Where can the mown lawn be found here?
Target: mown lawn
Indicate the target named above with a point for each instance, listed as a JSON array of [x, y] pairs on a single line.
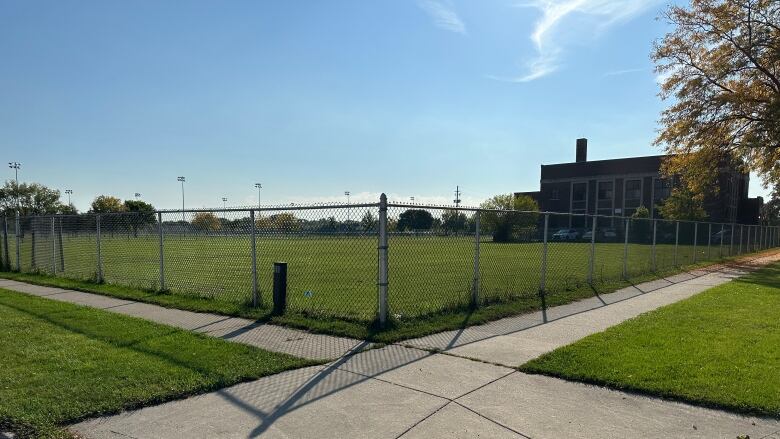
[[720, 348], [337, 276], [60, 363]]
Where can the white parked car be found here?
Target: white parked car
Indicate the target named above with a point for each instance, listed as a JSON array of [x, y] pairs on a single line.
[[566, 235]]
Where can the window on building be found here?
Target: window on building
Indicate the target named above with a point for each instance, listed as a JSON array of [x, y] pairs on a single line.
[[605, 198], [662, 189], [579, 197], [632, 197], [579, 203], [554, 195]]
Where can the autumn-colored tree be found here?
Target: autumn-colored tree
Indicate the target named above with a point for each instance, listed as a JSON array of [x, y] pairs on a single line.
[[721, 69], [206, 221], [641, 212], [285, 222], [107, 204], [683, 205]]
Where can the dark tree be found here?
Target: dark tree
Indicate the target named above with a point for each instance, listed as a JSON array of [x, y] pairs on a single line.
[[415, 219], [141, 214]]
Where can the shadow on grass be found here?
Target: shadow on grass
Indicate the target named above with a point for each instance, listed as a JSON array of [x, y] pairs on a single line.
[[78, 320], [456, 317]]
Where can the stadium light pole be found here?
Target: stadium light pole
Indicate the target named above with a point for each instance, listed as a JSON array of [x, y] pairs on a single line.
[[258, 186], [412, 198], [137, 195], [347, 194], [182, 180], [69, 192], [15, 166], [224, 206]]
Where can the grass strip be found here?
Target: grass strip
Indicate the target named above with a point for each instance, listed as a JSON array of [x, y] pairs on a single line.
[[720, 348], [60, 363]]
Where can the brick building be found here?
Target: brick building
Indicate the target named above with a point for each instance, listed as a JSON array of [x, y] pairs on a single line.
[[617, 187]]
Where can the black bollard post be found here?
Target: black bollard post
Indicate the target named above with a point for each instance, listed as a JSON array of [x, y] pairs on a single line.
[[280, 287]]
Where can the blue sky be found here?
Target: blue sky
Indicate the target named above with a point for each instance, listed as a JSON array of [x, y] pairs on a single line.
[[410, 97]]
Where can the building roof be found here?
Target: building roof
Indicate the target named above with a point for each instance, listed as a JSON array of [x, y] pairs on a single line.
[[631, 165]]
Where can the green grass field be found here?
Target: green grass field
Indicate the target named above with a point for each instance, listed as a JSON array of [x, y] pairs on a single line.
[[720, 348], [332, 279], [60, 363], [336, 276]]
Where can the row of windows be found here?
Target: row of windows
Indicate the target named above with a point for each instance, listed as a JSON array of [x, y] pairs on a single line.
[[605, 195]]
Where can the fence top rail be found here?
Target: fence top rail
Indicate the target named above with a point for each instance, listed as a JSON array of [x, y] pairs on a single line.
[[325, 206]]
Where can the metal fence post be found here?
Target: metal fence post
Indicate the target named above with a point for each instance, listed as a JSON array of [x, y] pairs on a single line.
[[755, 238], [747, 244], [61, 247], [625, 251], [475, 283], [731, 244], [709, 241], [33, 261], [695, 239], [543, 274], [655, 229], [741, 230], [53, 248], [99, 257], [720, 252], [676, 240], [6, 252], [255, 295], [162, 250], [592, 263], [382, 248], [18, 244]]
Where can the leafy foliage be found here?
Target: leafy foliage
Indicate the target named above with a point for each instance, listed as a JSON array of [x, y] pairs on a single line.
[[206, 221], [770, 211], [107, 204], [721, 65], [682, 204], [31, 199], [369, 221], [453, 221], [415, 219], [641, 212], [144, 214], [504, 225]]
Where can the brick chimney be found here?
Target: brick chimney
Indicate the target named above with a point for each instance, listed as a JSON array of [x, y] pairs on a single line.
[[582, 150]]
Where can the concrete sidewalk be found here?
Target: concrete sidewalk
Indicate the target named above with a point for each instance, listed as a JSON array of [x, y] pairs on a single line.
[[271, 337], [412, 392]]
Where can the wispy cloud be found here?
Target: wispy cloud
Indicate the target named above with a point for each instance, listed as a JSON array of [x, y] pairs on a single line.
[[595, 17], [443, 15], [624, 72]]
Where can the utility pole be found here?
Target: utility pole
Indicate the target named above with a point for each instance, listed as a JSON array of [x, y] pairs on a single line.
[[182, 180], [258, 186], [457, 196]]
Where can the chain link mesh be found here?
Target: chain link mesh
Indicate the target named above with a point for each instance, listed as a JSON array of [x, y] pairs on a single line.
[[440, 259]]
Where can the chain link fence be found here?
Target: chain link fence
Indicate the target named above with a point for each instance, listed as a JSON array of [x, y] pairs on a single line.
[[363, 261]]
